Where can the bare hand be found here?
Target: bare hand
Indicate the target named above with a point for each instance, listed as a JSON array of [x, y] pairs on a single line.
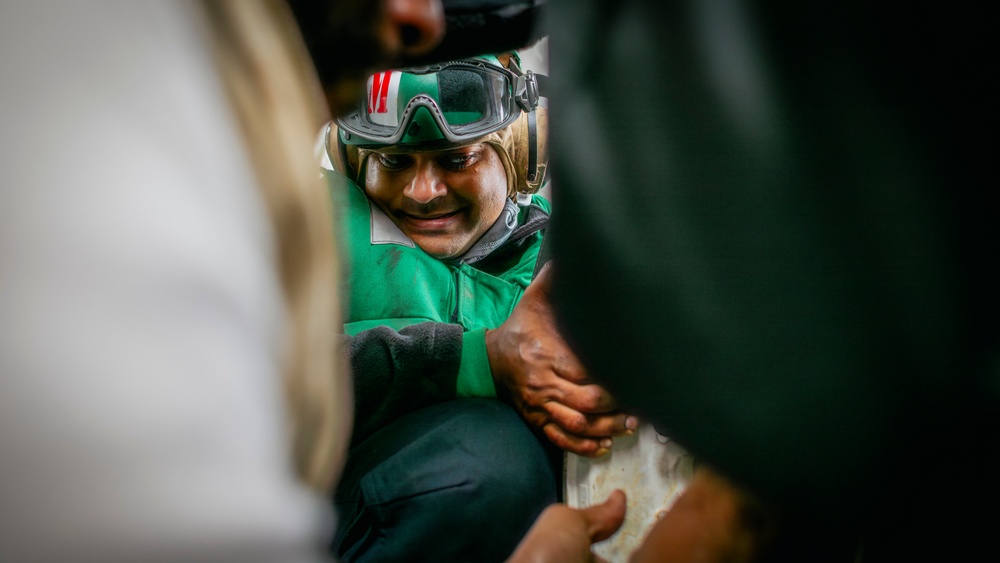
[[563, 534], [708, 523], [545, 380]]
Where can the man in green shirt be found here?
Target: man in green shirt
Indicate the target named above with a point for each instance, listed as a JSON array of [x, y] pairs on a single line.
[[437, 171]]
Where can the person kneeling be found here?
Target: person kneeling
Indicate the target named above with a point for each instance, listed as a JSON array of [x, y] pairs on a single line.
[[435, 179]]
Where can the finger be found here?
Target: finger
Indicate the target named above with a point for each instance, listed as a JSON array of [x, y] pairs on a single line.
[[587, 447], [566, 364], [580, 395], [587, 425], [534, 416], [589, 399], [604, 519]]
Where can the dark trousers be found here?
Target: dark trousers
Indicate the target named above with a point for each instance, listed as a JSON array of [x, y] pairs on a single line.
[[460, 481]]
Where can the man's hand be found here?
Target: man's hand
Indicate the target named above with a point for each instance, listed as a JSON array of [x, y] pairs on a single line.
[[564, 535], [711, 521], [545, 380]]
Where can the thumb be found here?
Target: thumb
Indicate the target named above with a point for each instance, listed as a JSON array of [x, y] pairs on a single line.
[[604, 519]]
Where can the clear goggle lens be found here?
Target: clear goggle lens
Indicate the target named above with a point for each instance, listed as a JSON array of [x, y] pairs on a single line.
[[465, 99]]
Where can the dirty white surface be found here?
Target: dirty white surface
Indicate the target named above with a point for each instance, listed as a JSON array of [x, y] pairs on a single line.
[[651, 469]]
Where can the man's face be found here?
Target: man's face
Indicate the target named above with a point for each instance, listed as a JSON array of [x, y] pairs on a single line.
[[443, 200]]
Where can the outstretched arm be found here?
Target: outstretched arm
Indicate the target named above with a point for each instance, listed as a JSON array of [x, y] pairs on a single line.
[[564, 535], [712, 521]]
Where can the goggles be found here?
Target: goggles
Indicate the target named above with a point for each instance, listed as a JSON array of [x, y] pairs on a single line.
[[458, 101]]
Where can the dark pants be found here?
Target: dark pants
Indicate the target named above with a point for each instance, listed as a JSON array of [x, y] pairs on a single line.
[[460, 481]]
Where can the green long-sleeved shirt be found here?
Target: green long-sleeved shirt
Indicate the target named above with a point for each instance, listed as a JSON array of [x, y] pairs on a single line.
[[416, 325]]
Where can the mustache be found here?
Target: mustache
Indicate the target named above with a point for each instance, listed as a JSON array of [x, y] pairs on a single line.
[[430, 209]]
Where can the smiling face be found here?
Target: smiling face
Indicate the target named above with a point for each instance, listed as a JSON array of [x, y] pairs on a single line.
[[443, 200]]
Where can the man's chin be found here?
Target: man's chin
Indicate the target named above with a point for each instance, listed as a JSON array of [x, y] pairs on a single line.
[[436, 248]]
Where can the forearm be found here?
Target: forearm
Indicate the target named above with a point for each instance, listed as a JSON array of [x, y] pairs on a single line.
[[397, 372]]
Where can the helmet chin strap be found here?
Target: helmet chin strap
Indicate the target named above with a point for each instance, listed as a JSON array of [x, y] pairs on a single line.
[[532, 147]]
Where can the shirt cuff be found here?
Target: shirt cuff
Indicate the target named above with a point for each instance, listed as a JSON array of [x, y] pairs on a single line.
[[475, 379]]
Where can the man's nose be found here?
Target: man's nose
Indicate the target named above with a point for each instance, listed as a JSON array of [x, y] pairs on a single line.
[[426, 184], [412, 27]]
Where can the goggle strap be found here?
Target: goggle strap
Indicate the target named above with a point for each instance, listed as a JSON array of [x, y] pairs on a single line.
[[342, 152]]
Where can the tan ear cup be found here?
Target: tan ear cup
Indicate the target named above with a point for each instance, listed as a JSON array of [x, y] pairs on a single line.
[[522, 150], [345, 158]]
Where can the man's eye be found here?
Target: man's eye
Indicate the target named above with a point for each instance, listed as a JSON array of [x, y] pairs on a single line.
[[458, 161], [392, 161]]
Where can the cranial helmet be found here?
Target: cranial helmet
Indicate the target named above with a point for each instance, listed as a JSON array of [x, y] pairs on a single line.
[[448, 105]]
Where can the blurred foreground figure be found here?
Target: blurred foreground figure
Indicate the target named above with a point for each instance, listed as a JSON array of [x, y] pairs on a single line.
[[790, 251], [168, 276]]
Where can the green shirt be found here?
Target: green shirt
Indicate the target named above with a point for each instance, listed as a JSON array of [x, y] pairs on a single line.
[[389, 281]]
